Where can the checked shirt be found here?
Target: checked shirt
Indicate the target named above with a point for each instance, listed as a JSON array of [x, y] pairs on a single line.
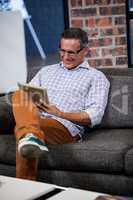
[[80, 89]]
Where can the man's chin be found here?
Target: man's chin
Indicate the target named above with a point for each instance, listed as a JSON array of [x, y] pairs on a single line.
[[69, 66]]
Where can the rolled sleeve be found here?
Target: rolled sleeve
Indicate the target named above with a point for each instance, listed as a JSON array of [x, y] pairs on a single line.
[[97, 98]]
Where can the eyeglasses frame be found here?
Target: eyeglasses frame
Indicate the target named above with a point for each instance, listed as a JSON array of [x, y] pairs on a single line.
[[71, 53]]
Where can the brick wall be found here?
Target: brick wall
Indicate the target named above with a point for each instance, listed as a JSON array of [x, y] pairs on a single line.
[[105, 22]]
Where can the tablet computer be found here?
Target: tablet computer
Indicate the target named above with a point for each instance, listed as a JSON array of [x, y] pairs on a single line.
[[37, 94]]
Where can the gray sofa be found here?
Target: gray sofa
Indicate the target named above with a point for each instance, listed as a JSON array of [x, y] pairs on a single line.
[[103, 162]]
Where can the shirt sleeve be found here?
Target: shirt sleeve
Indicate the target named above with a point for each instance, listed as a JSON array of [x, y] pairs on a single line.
[[97, 98], [37, 80]]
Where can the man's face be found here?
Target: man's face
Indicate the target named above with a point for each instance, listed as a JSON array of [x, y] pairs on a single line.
[[71, 53]]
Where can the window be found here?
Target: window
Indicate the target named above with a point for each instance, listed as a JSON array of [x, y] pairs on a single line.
[[49, 19]]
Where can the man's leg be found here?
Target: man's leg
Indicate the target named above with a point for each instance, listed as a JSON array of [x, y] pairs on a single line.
[[26, 168], [56, 133], [28, 121], [26, 116]]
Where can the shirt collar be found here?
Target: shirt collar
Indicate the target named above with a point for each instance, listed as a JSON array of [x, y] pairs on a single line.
[[84, 64]]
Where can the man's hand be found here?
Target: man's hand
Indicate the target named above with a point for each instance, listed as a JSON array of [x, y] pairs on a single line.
[[48, 108], [81, 118]]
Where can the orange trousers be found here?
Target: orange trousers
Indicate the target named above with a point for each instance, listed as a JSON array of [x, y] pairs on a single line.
[[28, 120]]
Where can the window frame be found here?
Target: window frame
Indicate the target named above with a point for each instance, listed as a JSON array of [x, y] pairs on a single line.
[[129, 17]]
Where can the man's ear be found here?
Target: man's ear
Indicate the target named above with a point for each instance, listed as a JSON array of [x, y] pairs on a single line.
[[86, 49]]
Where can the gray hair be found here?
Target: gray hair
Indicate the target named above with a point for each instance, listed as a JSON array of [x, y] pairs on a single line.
[[76, 33]]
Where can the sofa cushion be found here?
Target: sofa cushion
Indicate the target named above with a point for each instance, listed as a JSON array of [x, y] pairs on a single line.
[[119, 110], [129, 161], [7, 149], [117, 71], [7, 121], [102, 151]]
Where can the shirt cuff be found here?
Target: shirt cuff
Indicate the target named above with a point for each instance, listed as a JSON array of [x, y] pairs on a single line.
[[92, 115]]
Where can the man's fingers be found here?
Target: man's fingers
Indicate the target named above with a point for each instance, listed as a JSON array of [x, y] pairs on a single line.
[[42, 106]]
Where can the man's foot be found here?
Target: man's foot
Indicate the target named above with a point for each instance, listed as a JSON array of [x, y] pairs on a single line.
[[31, 147]]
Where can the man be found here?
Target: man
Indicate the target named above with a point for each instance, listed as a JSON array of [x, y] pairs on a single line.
[[78, 97]]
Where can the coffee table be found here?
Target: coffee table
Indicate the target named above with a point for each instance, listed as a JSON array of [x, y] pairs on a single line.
[[21, 189], [76, 194]]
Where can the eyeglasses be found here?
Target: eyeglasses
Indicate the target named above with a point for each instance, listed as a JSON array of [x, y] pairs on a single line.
[[70, 53]]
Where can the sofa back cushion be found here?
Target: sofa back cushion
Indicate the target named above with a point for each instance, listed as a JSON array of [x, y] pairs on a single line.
[[119, 110]]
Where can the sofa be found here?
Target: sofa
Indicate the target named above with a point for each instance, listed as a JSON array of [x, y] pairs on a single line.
[[102, 162]]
